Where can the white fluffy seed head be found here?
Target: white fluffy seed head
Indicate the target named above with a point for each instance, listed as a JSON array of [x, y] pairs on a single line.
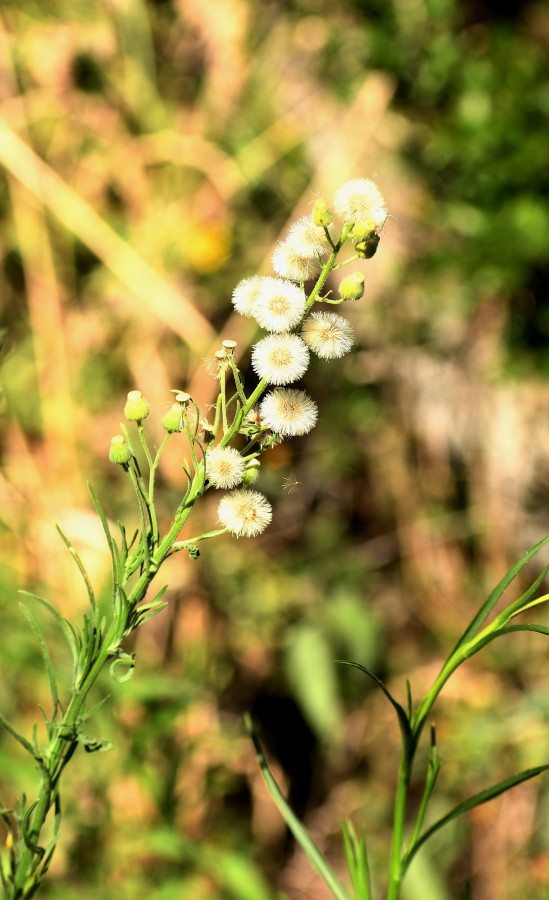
[[328, 335], [246, 293], [288, 263], [307, 239], [360, 200], [224, 467], [280, 358], [288, 412], [245, 513], [280, 305]]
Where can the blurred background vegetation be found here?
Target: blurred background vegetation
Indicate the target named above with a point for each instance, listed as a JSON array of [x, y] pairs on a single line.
[[151, 152]]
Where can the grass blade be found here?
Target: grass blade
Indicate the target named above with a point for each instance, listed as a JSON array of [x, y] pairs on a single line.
[[476, 800], [400, 711], [298, 830], [496, 594]]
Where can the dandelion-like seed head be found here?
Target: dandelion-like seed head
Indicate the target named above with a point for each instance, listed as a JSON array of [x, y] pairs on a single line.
[[328, 335], [280, 305], [289, 412], [280, 358], [245, 513], [288, 263], [224, 467], [246, 293], [307, 239], [360, 200]]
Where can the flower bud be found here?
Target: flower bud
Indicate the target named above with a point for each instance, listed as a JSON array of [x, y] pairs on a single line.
[[352, 287], [367, 248], [251, 472], [136, 408], [120, 453], [363, 230], [173, 419], [322, 215]]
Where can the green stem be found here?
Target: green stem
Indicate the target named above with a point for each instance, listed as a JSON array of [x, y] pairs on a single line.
[[399, 818]]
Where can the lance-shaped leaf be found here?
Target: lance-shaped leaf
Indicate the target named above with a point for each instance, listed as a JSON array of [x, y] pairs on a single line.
[[476, 800], [298, 830]]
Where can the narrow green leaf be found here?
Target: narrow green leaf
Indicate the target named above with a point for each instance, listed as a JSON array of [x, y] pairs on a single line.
[[18, 737], [66, 627], [476, 800], [68, 544], [108, 535], [357, 860], [46, 657], [401, 713], [95, 708], [433, 769], [300, 833], [56, 833], [506, 629], [497, 592], [26, 824]]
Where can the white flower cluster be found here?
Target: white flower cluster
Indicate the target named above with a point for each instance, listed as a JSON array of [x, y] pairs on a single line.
[[280, 306]]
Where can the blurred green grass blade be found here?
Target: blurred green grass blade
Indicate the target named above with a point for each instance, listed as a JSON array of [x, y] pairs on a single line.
[[313, 854], [497, 593], [310, 668], [163, 300], [47, 659], [476, 800]]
